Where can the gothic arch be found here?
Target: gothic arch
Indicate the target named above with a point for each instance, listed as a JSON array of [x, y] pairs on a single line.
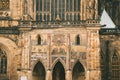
[[39, 72], [8, 44], [78, 71], [58, 72], [115, 52], [115, 46], [11, 50], [58, 60], [35, 62], [79, 62]]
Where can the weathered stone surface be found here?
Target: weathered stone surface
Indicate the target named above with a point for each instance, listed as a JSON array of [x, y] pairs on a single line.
[[51, 43]]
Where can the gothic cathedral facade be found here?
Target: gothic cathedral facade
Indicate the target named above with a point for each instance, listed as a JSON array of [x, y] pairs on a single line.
[[53, 40]]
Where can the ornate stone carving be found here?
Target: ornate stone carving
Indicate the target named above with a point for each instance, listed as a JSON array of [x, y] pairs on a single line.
[[58, 39], [58, 51], [36, 56], [4, 14], [58, 58], [4, 4], [92, 9], [78, 55], [26, 17]]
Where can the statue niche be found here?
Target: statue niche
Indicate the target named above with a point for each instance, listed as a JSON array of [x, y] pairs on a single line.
[[58, 39]]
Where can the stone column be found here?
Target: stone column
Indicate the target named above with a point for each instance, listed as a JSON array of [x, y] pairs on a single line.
[[87, 75], [29, 73], [26, 47], [24, 75], [68, 75], [49, 75], [93, 54]]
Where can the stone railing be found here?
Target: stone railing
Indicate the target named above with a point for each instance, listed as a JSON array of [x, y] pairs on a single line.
[[48, 24]]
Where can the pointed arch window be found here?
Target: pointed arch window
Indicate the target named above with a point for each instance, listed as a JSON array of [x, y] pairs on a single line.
[[115, 66], [77, 40], [58, 72], [39, 72], [39, 40], [3, 62], [78, 72]]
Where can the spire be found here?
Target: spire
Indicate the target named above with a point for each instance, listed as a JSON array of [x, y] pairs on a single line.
[[106, 20]]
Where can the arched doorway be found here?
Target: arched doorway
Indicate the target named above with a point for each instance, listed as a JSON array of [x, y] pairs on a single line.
[[39, 72], [58, 72], [78, 72]]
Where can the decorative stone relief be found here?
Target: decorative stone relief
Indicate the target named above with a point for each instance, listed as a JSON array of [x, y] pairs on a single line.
[[63, 58], [78, 55], [38, 56], [92, 9], [4, 4], [4, 14], [58, 39], [26, 17], [58, 51]]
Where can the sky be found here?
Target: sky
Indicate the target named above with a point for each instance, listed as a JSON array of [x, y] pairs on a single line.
[[106, 20]]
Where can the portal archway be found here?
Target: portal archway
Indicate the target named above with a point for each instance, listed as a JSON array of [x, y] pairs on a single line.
[[8, 55], [78, 72], [58, 72], [38, 72]]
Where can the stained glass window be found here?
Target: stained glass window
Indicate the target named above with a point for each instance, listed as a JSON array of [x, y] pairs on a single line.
[[4, 4]]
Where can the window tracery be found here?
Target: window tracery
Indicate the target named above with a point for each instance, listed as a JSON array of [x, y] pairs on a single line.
[[61, 10], [4, 4]]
